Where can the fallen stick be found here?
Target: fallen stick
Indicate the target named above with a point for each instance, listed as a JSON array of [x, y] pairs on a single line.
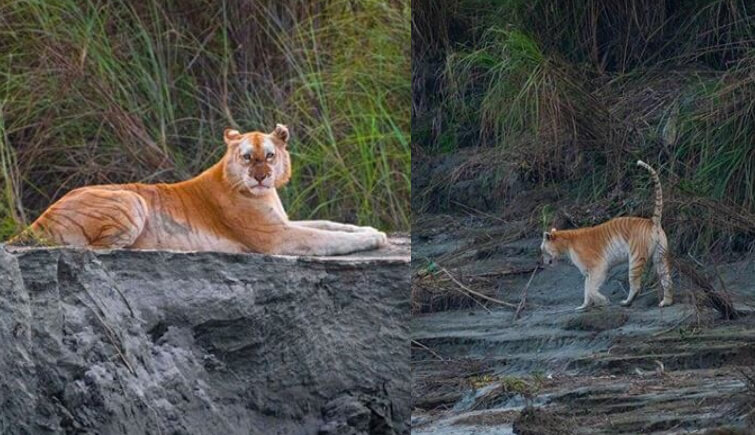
[[422, 346], [524, 294], [676, 325], [501, 273], [478, 294], [463, 293]]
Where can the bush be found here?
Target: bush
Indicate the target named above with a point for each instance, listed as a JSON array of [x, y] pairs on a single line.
[[573, 93]]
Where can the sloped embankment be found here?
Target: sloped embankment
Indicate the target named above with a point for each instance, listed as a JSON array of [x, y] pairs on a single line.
[[607, 370], [126, 342]]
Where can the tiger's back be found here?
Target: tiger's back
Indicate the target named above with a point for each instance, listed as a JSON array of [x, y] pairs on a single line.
[[611, 241], [176, 216]]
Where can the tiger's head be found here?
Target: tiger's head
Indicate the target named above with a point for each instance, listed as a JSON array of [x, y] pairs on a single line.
[[257, 163], [549, 247]]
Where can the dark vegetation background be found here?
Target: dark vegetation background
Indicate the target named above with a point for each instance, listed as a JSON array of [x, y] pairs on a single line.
[[540, 109], [96, 91]]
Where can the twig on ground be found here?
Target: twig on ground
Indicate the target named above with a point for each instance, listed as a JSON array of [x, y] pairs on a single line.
[[524, 294], [423, 347], [676, 325], [501, 273], [478, 294]]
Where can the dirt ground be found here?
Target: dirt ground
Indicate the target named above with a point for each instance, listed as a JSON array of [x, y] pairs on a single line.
[[640, 369]]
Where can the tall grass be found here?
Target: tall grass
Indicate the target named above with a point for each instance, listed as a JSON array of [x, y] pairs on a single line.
[[574, 92], [99, 91]]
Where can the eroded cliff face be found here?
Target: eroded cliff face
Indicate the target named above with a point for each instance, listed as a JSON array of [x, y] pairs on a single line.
[[133, 342]]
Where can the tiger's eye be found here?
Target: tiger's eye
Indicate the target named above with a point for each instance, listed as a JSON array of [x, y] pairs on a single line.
[[270, 156], [247, 157]]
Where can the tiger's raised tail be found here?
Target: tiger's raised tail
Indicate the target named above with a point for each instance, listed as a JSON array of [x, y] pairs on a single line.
[[660, 254], [658, 194]]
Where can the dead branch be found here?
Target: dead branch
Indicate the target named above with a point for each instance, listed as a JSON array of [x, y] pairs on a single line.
[[524, 294], [423, 347], [478, 294]]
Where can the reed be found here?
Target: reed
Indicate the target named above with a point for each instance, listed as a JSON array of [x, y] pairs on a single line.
[[573, 93], [120, 91]]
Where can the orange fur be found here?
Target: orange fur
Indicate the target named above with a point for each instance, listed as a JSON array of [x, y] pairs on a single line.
[[595, 250], [232, 207], [589, 243]]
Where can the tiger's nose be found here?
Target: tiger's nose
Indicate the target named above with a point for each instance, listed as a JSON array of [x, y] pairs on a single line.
[[260, 177]]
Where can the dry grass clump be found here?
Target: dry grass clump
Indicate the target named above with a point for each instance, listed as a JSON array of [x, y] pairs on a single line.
[[541, 421], [441, 383], [432, 295], [504, 388], [702, 289], [438, 290]]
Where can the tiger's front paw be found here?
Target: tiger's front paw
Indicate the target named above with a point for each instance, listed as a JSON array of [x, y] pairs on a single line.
[[381, 239], [366, 241]]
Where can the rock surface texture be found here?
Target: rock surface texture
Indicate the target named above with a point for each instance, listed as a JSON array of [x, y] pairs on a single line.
[[136, 342]]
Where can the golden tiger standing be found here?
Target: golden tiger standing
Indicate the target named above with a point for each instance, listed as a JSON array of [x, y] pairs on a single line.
[[595, 250], [231, 207]]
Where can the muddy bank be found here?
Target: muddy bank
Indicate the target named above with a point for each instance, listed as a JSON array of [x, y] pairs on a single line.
[[612, 369], [127, 342]]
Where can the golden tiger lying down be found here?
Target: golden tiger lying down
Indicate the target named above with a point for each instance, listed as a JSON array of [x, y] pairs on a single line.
[[231, 207], [595, 250]]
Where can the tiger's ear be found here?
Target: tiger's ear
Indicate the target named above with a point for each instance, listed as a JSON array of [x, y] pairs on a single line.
[[230, 135], [550, 235], [281, 132]]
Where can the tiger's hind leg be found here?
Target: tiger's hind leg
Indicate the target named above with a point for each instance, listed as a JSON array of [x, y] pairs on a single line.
[[663, 269], [96, 218], [636, 266]]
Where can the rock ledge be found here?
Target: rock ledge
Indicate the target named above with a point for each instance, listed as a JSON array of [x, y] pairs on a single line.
[[134, 342]]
